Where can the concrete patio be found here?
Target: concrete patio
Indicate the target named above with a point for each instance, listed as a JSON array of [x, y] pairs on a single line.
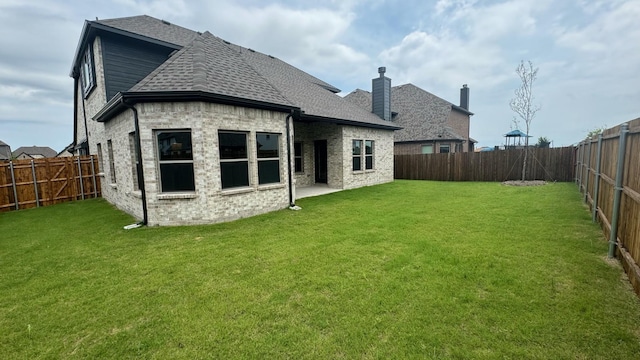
[[314, 190]]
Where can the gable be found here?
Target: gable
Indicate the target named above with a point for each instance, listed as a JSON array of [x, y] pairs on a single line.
[[126, 61]]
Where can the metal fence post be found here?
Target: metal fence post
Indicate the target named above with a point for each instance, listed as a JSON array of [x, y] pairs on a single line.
[[13, 183], [80, 177], [588, 168], [35, 183], [596, 179], [624, 130], [579, 167]]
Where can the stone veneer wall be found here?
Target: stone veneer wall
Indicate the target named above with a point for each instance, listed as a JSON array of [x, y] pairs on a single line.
[[209, 203], [382, 171]]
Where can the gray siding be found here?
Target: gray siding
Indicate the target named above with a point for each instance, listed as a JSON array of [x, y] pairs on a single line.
[[128, 61], [382, 97]]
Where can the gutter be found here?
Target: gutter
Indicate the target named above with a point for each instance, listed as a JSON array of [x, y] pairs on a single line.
[[116, 105], [139, 167]]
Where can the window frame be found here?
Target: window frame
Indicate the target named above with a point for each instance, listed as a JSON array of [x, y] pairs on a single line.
[[100, 158], [160, 162], [298, 156], [430, 146], [134, 161], [356, 157], [238, 160], [446, 146], [369, 165], [112, 165], [263, 159], [87, 72]]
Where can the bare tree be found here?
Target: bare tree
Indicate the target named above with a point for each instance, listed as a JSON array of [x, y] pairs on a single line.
[[522, 103]]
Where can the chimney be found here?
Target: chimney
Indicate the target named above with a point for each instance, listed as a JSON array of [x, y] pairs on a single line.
[[381, 95], [464, 97]]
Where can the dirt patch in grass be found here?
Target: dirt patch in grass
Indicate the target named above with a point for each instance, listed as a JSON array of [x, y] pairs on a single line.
[[524, 183]]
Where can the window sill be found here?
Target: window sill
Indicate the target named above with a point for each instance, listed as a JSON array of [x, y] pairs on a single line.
[[177, 196], [270, 186], [136, 194], [113, 186], [100, 174], [235, 191]]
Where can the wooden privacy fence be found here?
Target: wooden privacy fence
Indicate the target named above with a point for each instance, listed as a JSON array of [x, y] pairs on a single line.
[[608, 173], [40, 182], [551, 164]]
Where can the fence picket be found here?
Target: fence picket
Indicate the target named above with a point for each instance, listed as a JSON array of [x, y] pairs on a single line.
[[25, 175]]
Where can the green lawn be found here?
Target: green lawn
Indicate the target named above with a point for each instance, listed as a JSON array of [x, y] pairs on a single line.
[[411, 269]]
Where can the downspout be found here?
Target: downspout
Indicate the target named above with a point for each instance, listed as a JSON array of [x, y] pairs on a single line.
[[75, 112], [139, 167], [292, 203]]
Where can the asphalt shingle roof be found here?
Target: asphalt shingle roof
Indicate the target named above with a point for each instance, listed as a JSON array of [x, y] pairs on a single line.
[[210, 64], [153, 28], [421, 114], [45, 151]]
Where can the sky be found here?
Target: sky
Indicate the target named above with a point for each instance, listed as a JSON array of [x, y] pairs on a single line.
[[587, 53]]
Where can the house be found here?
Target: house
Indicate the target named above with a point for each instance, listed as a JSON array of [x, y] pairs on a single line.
[[5, 151], [429, 124], [33, 152], [67, 151], [189, 128]]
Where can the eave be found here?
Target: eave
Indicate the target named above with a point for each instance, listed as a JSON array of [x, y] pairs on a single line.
[[92, 28], [461, 109], [119, 102], [313, 118]]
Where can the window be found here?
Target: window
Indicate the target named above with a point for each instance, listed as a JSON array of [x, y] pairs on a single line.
[[234, 160], [175, 160], [100, 161], [112, 167], [86, 72], [357, 155], [297, 156], [427, 149], [368, 154], [444, 149], [134, 161], [267, 147]]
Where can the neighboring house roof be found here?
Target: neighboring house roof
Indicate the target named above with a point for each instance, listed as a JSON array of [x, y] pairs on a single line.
[[208, 67], [5, 151], [422, 115], [35, 151]]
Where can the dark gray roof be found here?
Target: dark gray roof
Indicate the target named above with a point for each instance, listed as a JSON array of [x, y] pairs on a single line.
[[305, 91], [5, 151], [153, 28], [208, 64], [45, 151], [422, 115]]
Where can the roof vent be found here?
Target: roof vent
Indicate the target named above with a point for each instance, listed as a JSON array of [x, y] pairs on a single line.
[[226, 42], [166, 22], [271, 56], [251, 50]]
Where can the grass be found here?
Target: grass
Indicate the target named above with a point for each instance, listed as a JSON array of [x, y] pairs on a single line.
[[403, 270]]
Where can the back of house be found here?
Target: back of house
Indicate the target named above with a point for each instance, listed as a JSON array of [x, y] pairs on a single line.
[[190, 128]]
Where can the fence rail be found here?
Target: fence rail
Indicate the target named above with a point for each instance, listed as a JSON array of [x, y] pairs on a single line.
[[608, 174], [551, 164], [41, 182]]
